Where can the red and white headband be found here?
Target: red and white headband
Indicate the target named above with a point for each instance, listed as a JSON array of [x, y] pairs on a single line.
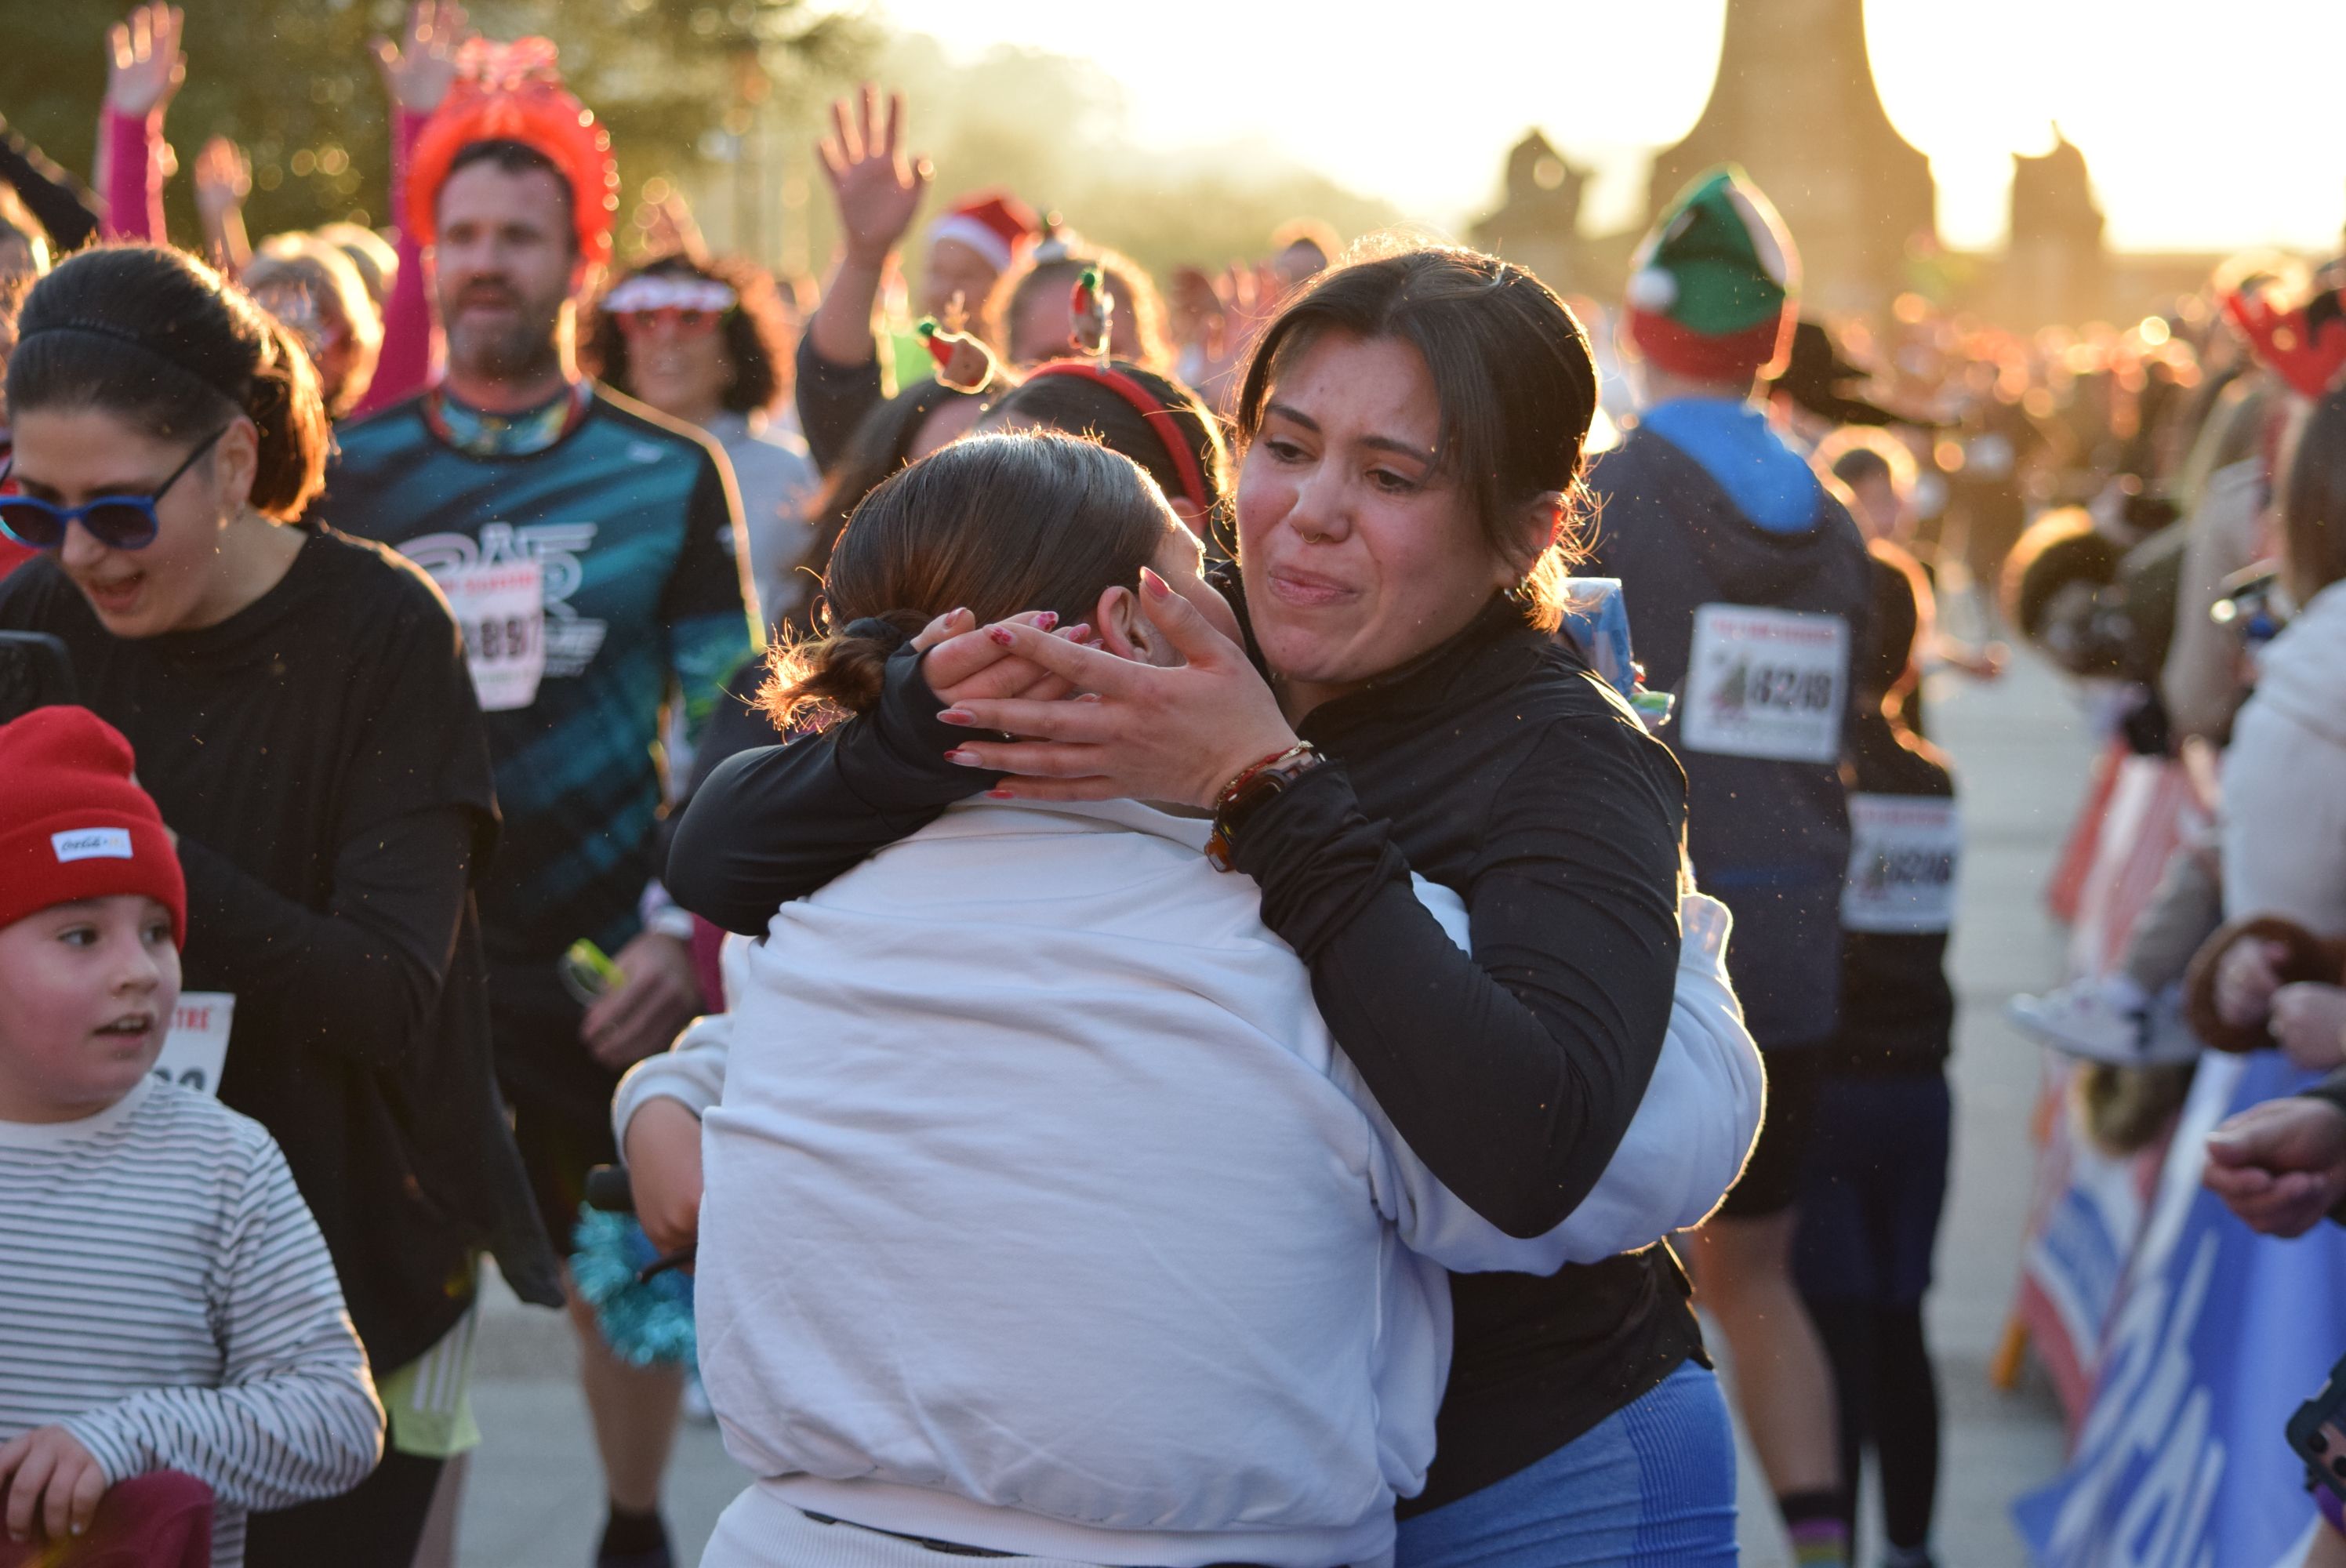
[[657, 292]]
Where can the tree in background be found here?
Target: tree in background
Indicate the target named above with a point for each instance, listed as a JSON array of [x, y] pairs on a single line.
[[294, 83], [1058, 132]]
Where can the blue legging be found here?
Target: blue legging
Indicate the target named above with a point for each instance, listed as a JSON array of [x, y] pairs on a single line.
[[1653, 1483]]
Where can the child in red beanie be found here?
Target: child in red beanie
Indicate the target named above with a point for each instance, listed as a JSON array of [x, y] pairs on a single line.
[[168, 1302]]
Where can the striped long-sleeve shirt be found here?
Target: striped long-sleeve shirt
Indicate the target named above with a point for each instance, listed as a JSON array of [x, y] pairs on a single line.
[[165, 1296]]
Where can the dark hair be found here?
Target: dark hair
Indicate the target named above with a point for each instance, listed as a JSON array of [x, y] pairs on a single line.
[[1049, 274], [1511, 368], [2314, 501], [1081, 406], [997, 524], [1860, 463], [157, 337], [756, 339], [2058, 549], [1902, 608], [517, 158], [881, 444]]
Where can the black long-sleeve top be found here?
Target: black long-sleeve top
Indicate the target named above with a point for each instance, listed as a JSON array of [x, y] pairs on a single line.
[[321, 756], [832, 401], [1497, 765]]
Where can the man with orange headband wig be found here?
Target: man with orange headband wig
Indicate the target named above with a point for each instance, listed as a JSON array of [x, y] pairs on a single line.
[[588, 547]]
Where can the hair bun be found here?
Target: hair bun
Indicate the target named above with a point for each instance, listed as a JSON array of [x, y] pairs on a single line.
[[843, 670]]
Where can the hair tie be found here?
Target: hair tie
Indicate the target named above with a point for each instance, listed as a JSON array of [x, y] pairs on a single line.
[[874, 628]]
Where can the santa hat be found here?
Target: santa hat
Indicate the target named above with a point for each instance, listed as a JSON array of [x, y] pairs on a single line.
[[993, 223], [1710, 288], [73, 822], [513, 92]]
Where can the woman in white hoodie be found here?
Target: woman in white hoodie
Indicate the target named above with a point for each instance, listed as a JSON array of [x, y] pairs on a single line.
[[2285, 772], [1042, 1215]]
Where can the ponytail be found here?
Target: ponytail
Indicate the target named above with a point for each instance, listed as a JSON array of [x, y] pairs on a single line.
[[841, 671], [283, 401]]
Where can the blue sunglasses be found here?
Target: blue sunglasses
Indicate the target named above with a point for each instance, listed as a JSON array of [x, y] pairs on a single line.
[[117, 522]]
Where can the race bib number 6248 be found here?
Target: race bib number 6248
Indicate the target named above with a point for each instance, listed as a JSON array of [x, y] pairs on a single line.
[[1766, 683]]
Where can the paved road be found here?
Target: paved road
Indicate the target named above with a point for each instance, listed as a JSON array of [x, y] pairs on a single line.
[[535, 1499]]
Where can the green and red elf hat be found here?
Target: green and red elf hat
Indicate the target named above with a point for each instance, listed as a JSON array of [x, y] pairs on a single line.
[[1710, 288]]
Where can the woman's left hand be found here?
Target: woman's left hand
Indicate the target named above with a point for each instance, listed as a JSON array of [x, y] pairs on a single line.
[[1177, 734]]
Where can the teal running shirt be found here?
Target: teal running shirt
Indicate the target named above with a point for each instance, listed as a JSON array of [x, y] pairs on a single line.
[[623, 529]]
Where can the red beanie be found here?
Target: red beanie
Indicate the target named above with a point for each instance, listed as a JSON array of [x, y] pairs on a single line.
[[73, 825]]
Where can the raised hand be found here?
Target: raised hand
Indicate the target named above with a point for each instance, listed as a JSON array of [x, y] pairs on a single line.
[[876, 187], [144, 65], [674, 228], [420, 68], [223, 178]]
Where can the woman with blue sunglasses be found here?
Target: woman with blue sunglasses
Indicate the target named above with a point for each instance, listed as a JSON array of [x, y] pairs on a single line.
[[300, 708]]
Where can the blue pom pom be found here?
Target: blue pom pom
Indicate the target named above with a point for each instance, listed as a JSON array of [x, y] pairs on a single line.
[[646, 1323]]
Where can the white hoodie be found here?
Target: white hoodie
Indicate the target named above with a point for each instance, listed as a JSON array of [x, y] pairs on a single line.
[[1043, 1215], [2285, 778]]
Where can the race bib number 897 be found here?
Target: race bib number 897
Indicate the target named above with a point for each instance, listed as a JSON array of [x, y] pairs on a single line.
[[1766, 683], [501, 609]]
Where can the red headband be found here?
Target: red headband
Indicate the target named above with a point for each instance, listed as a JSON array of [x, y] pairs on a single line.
[[1160, 419], [512, 92]]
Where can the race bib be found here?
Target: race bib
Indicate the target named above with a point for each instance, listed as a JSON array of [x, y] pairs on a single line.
[[1766, 683], [1902, 851], [197, 1047], [502, 608]]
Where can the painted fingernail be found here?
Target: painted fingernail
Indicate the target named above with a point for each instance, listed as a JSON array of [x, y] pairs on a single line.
[[1046, 620], [1000, 635], [1080, 632], [1153, 584], [961, 758], [1000, 795], [955, 715]]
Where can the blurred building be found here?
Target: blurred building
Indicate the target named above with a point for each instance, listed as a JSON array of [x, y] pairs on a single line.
[[1537, 222], [1794, 103], [2054, 264]]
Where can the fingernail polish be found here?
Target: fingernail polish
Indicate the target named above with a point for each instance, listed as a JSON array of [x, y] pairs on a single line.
[[1000, 795], [961, 758], [1000, 635], [1153, 584], [1046, 620], [955, 715]]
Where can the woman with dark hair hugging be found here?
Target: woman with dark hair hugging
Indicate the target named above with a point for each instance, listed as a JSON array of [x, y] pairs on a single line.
[[1398, 707], [1043, 1217]]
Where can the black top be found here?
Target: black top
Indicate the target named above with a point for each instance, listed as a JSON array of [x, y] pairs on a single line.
[[832, 401], [1497, 766], [321, 756]]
